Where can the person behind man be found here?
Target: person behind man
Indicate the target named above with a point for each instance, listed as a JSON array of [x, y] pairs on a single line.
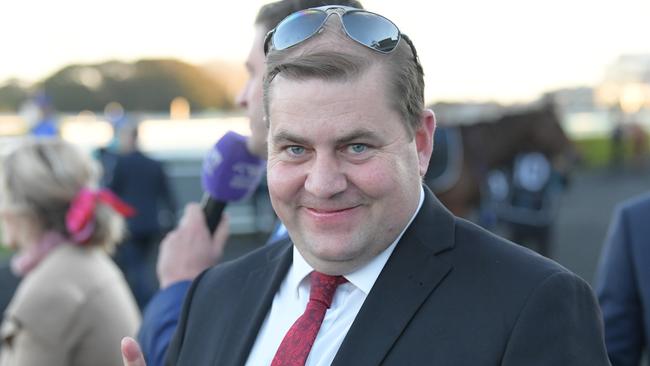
[[393, 277], [142, 182], [189, 249], [44, 119], [623, 282]]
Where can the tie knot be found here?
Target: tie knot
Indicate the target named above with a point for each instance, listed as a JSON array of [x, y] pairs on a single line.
[[323, 287]]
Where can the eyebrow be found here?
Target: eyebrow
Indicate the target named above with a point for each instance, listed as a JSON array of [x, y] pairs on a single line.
[[286, 136], [360, 133]]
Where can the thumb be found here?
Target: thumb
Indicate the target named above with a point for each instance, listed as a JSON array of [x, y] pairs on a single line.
[[131, 353]]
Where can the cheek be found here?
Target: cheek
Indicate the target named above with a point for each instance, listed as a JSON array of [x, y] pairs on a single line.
[[255, 94], [258, 129], [284, 180], [372, 182], [376, 179], [257, 89], [6, 236], [8, 229]]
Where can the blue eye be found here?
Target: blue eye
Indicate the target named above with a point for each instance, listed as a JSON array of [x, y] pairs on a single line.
[[296, 150], [358, 148]]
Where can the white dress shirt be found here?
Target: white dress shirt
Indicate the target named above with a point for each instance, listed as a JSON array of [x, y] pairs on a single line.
[[291, 300]]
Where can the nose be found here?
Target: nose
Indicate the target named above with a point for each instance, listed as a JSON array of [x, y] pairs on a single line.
[[325, 178]]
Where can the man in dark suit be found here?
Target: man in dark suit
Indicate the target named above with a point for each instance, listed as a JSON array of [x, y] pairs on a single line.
[[142, 182], [379, 270], [623, 282]]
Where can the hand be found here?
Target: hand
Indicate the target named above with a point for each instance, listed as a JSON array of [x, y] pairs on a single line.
[[190, 248], [131, 353]]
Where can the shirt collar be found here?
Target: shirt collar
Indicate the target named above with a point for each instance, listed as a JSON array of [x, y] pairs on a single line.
[[363, 278]]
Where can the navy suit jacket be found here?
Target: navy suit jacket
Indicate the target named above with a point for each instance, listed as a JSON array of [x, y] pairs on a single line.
[[159, 321], [142, 182], [451, 293], [623, 282]]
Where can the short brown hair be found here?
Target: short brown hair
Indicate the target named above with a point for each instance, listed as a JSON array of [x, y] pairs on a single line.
[[405, 79], [271, 14]]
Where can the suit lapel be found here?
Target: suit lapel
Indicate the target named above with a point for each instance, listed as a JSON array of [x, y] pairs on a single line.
[[259, 289], [409, 277]]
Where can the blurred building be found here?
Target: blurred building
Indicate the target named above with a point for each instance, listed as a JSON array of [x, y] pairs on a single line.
[[626, 84], [574, 100]]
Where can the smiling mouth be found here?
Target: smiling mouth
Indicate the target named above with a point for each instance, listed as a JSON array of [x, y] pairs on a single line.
[[330, 211]]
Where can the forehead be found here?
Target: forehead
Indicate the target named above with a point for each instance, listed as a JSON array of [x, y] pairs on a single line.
[[318, 107], [318, 90], [256, 56]]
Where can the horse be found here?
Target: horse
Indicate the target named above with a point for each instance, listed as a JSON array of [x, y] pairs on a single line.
[[488, 144]]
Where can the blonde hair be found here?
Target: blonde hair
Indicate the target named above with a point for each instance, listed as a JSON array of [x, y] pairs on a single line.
[[39, 178]]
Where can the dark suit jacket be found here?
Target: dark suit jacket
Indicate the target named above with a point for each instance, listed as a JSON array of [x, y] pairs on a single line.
[[450, 294], [142, 182], [623, 282]]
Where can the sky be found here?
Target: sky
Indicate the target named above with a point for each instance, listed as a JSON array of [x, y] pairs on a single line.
[[497, 50]]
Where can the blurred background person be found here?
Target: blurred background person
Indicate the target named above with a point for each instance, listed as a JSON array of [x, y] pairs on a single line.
[[141, 181], [73, 303], [639, 141], [623, 282], [40, 115], [107, 155], [617, 146]]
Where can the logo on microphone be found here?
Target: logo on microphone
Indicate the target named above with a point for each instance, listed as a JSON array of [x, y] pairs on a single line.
[[246, 175]]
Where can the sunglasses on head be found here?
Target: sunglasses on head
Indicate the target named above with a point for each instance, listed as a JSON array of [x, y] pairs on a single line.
[[369, 29]]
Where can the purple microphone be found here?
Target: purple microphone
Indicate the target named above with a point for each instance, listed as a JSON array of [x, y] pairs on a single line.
[[230, 173]]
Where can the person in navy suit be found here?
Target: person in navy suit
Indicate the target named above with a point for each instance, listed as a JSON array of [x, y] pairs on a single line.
[[141, 181], [349, 142], [622, 282]]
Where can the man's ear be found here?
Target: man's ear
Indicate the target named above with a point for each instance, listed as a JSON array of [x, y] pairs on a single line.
[[424, 139]]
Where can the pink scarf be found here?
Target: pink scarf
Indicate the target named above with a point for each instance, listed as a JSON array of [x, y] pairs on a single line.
[[25, 260]]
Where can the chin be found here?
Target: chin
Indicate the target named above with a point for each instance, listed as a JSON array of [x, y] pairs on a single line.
[[336, 253]]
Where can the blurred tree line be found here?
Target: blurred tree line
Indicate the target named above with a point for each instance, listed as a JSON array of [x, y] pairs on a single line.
[[12, 94], [145, 85]]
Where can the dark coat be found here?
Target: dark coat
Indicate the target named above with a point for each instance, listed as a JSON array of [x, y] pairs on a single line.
[[623, 282], [141, 182]]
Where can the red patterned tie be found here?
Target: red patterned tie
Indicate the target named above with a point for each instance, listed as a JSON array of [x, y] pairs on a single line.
[[295, 346]]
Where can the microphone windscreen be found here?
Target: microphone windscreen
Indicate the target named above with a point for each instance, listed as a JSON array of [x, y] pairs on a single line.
[[230, 171]]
